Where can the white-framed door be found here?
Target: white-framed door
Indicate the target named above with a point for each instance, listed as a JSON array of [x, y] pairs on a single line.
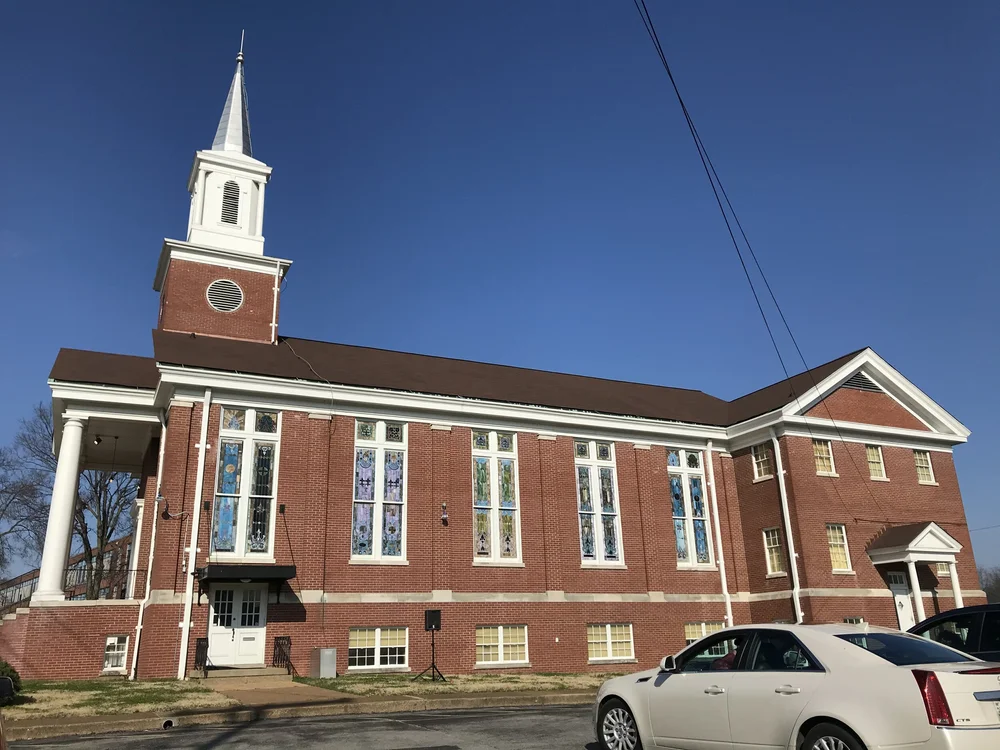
[[237, 624], [900, 589]]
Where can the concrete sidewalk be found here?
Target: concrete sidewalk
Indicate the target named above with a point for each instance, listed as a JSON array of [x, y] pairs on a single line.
[[277, 703]]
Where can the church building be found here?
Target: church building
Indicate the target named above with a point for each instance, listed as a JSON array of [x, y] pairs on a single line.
[[298, 494]]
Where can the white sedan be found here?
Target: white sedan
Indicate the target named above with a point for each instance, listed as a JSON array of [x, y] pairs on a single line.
[[805, 687]]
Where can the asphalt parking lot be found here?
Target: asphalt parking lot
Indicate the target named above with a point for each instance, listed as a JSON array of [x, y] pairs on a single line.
[[544, 727]]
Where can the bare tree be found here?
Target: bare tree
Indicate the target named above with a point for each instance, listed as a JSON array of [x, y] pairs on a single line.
[[989, 579], [104, 498], [21, 509]]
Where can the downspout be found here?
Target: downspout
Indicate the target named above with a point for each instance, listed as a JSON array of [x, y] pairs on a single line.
[[152, 546], [193, 549], [792, 555], [718, 538]]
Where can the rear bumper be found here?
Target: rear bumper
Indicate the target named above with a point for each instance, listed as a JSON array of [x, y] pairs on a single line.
[[964, 738]]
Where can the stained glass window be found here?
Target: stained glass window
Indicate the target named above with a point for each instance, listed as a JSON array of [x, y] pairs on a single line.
[[600, 535], [582, 449], [689, 507], [496, 523], [267, 421], [234, 419], [365, 430], [378, 521]]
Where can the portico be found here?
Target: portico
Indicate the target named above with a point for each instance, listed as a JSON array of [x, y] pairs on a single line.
[[918, 543]]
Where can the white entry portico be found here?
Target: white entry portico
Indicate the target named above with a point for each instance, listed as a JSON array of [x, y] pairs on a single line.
[[910, 544]]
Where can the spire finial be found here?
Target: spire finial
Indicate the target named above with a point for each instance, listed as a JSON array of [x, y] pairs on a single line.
[[239, 57], [233, 133]]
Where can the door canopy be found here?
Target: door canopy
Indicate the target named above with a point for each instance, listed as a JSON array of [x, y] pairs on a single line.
[[915, 542]]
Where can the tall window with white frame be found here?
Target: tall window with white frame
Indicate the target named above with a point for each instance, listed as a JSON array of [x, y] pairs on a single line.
[[496, 515], [925, 471], [876, 466], [774, 554], [762, 468], [823, 456], [686, 478], [840, 556], [246, 482], [378, 526], [600, 527]]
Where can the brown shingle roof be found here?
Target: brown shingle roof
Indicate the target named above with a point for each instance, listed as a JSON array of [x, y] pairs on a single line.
[[81, 366], [898, 536], [304, 359]]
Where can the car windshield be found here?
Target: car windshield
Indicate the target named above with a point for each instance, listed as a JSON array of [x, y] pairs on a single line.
[[903, 650]]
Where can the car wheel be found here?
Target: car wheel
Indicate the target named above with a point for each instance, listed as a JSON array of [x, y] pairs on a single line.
[[618, 730], [831, 737]]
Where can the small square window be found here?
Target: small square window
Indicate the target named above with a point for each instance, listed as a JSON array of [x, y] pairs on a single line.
[[673, 458], [481, 441], [115, 650], [505, 442], [393, 432], [582, 449], [604, 451], [693, 460], [267, 421], [854, 620], [234, 419], [942, 570], [366, 430]]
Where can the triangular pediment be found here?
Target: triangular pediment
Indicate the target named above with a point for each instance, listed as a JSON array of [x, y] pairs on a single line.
[[868, 390]]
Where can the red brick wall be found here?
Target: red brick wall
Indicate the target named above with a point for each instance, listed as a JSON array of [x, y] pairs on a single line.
[[184, 306], [760, 506], [866, 407]]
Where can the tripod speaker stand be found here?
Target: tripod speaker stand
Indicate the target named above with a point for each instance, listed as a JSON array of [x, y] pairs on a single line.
[[432, 623]]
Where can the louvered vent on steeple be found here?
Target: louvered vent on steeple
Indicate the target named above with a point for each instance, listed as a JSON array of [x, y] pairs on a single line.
[[230, 203], [859, 381]]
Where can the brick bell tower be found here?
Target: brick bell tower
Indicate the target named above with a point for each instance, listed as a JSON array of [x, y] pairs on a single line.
[[218, 282]]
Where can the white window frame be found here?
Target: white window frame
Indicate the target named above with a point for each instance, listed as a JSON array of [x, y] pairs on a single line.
[[117, 639], [249, 437], [942, 570], [833, 466], [930, 468], [607, 643], [495, 455], [686, 475], [378, 666], [881, 463], [854, 620], [707, 628], [380, 445], [594, 466], [500, 643], [847, 548], [771, 570], [764, 457]]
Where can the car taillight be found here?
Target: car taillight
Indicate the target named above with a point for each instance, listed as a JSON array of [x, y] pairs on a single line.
[[987, 670], [938, 712]]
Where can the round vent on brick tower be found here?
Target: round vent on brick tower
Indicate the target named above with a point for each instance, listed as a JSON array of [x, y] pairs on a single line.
[[225, 295]]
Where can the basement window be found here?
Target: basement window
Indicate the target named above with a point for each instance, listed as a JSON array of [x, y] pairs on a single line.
[[115, 649]]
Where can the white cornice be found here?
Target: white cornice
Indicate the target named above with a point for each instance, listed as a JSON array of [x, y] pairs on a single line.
[[180, 250]]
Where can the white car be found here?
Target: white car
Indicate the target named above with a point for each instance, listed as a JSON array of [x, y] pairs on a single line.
[[805, 687]]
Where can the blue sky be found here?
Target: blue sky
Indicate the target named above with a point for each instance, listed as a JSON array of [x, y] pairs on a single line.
[[513, 182]]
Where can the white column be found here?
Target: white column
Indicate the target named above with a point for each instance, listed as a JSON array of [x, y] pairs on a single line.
[[956, 590], [918, 598], [60, 526]]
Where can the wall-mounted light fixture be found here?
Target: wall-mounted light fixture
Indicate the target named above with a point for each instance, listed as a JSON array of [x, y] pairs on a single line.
[[444, 513], [97, 439]]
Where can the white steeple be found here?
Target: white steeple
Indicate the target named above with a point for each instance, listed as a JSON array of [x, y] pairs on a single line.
[[233, 133], [227, 183]]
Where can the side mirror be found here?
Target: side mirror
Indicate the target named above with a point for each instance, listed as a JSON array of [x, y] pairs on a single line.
[[668, 664], [6, 687]]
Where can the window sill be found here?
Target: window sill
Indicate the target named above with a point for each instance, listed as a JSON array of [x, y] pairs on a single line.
[[241, 560], [696, 568], [384, 561], [879, 479], [613, 661], [603, 566], [378, 670], [844, 573], [116, 672], [776, 575], [929, 484], [496, 564], [764, 478], [828, 474], [503, 665]]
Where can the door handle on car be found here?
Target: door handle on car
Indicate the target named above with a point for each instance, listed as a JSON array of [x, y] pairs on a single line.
[[787, 690], [715, 690]]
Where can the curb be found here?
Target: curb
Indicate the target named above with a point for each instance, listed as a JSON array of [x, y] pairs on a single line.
[[156, 722]]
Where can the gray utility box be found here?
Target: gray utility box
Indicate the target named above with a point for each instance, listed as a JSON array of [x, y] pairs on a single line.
[[323, 662]]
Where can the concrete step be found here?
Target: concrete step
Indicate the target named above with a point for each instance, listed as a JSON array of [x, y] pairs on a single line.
[[246, 673]]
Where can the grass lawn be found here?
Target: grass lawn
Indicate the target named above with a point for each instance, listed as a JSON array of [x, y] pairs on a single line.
[[404, 684], [50, 698]]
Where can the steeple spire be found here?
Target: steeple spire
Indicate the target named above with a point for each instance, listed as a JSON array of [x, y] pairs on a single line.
[[234, 125]]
